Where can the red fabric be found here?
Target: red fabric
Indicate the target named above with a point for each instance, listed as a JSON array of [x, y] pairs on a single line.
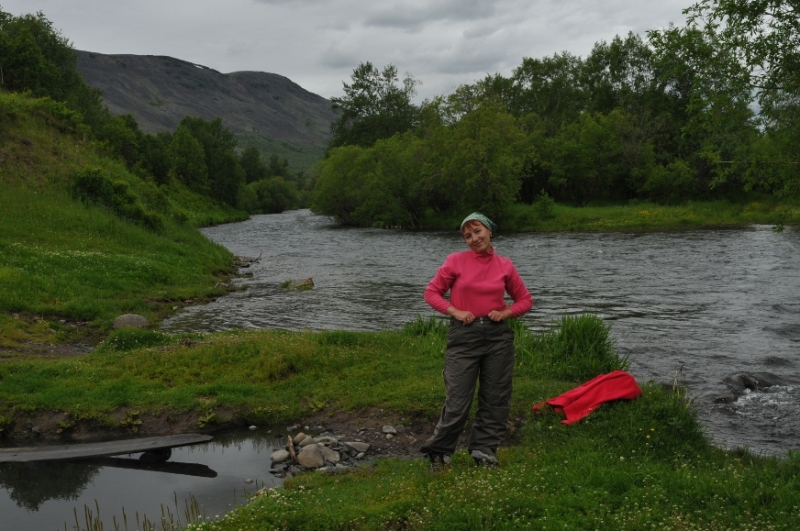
[[579, 402]]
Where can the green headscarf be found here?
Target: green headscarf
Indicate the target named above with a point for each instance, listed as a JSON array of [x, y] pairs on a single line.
[[477, 216]]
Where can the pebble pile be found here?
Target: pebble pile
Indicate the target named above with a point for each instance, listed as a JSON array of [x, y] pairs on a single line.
[[325, 452]]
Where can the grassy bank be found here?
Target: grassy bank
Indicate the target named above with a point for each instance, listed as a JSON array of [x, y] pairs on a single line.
[[640, 216], [82, 239], [643, 464]]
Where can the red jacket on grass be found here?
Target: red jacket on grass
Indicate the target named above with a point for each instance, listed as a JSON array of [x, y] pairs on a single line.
[[579, 402]]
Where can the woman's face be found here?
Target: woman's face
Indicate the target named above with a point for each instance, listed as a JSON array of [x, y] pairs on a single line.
[[477, 236]]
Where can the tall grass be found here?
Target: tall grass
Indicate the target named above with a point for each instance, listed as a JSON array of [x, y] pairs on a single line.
[[577, 348]]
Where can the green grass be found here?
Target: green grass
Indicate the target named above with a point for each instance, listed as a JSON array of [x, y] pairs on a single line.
[[640, 216], [66, 259], [261, 374]]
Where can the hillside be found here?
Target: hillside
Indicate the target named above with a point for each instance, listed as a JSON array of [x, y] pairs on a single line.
[[262, 109], [83, 240]]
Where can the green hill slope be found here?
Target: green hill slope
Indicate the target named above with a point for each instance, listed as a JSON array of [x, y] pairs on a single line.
[[83, 240]]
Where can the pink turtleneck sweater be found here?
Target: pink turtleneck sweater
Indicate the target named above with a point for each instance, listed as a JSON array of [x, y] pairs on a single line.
[[478, 283]]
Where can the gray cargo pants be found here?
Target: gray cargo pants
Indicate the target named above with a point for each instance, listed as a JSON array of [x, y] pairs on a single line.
[[480, 352]]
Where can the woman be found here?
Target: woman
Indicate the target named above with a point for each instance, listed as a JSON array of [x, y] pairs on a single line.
[[480, 345]]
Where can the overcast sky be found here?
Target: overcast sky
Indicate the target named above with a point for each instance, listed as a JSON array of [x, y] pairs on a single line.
[[317, 43]]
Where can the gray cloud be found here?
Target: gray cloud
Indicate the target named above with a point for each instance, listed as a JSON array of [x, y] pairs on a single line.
[[317, 43], [413, 16]]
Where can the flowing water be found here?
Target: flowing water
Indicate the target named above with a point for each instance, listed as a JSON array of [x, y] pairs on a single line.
[[709, 304]]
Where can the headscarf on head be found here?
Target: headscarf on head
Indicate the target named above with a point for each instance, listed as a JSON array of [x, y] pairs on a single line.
[[477, 216]]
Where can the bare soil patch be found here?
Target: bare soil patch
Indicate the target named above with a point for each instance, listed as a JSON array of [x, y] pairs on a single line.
[[364, 425]]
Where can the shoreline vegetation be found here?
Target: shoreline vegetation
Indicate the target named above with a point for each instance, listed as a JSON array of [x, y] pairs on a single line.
[[640, 216]]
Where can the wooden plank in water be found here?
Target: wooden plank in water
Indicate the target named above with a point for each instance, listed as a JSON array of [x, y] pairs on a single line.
[[100, 449]]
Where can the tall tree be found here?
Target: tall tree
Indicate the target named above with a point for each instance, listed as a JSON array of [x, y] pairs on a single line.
[[375, 105], [225, 174], [35, 57]]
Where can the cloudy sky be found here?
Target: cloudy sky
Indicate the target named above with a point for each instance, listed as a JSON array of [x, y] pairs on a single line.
[[317, 43]]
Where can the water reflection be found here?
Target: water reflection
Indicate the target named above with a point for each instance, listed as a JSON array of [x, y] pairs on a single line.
[[29, 485], [42, 495]]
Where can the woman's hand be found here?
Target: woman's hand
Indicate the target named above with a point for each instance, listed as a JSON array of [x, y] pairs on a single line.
[[501, 315], [463, 316]]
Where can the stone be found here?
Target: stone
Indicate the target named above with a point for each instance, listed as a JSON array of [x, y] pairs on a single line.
[[356, 447], [300, 437], [328, 440], [361, 455], [308, 440], [311, 456], [253, 428], [389, 429], [389, 436], [299, 285], [401, 429], [727, 398], [279, 456], [131, 320], [330, 456]]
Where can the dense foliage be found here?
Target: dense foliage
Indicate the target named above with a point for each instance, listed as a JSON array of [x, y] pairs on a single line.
[[203, 155], [707, 111]]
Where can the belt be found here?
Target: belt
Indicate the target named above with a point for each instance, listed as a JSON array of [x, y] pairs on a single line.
[[476, 320]]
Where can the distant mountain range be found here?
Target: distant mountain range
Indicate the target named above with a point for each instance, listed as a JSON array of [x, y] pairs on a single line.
[[266, 110]]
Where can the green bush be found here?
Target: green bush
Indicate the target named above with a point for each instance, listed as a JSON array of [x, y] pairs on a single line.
[[91, 186], [544, 206], [124, 340]]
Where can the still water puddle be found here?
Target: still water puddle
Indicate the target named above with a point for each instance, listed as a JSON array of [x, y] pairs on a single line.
[[219, 474]]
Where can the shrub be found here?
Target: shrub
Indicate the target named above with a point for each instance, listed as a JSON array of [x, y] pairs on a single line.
[[124, 340], [544, 206], [90, 186]]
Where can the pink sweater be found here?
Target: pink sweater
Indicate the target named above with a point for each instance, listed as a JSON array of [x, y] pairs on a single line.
[[477, 283]]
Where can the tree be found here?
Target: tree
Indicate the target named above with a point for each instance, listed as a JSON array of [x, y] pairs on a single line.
[[35, 57], [254, 168], [764, 36], [189, 161], [277, 167], [225, 175], [550, 87], [374, 106]]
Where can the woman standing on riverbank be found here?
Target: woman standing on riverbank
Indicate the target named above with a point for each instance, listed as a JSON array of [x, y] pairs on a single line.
[[480, 345]]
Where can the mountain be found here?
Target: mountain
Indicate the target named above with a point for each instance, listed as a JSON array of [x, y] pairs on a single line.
[[262, 109]]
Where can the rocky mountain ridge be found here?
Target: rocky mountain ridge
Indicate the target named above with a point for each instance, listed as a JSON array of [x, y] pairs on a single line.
[[262, 109]]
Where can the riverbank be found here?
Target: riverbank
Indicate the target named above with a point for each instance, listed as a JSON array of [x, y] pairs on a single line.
[[638, 216], [637, 464]]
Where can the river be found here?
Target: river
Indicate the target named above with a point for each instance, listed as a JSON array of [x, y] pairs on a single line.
[[710, 303]]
